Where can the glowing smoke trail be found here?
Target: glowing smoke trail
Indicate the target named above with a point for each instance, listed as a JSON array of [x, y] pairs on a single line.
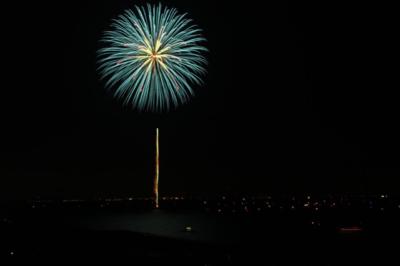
[[156, 178]]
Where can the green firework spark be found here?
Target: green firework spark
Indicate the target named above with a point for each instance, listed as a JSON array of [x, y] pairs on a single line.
[[151, 58]]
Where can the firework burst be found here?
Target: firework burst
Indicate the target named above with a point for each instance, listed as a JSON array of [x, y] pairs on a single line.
[[152, 57]]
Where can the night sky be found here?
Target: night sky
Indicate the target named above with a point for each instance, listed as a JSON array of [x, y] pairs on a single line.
[[298, 98]]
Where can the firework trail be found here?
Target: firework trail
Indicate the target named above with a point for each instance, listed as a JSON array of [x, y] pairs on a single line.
[[156, 177], [152, 56]]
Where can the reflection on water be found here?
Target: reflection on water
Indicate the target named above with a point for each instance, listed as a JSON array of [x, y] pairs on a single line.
[[204, 227]]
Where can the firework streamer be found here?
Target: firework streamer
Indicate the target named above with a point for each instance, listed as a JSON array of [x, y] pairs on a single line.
[[157, 171]]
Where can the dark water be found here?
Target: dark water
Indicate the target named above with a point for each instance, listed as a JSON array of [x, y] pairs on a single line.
[[252, 237], [160, 236], [205, 227]]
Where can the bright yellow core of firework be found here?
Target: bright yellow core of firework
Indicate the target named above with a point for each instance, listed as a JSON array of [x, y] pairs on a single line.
[[154, 54]]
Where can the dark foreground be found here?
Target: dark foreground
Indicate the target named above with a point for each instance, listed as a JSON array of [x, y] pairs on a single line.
[[185, 232]]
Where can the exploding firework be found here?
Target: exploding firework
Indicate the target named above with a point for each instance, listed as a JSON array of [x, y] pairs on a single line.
[[152, 57]]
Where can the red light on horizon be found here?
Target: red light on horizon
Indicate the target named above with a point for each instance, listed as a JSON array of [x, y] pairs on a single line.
[[350, 229]]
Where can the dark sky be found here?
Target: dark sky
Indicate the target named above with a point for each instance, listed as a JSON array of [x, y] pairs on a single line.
[[298, 98]]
